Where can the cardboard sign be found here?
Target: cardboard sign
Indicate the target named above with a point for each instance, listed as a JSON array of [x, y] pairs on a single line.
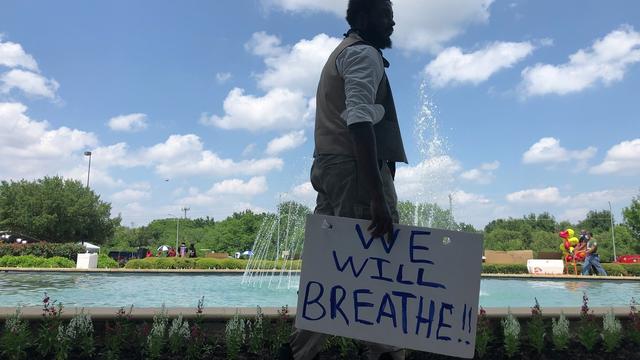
[[419, 292]]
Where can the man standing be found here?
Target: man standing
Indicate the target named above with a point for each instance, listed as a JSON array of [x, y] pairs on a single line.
[[357, 142], [592, 258]]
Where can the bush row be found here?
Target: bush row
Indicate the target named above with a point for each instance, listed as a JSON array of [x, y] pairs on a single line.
[[105, 262], [204, 263], [611, 269], [30, 261], [43, 249]]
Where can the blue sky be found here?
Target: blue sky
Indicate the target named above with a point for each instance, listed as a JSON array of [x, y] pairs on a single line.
[[528, 105]]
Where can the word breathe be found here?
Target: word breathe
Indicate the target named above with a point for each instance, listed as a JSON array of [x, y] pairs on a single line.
[[403, 306]]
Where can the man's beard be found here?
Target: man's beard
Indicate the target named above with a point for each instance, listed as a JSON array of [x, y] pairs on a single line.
[[378, 38]]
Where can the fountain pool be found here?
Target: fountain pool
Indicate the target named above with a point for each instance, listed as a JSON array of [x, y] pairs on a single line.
[[220, 290]]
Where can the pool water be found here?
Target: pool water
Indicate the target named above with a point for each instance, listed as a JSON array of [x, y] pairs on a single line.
[[184, 290]]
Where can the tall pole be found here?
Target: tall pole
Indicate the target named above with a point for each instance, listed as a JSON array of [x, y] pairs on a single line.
[[177, 230], [185, 209], [88, 153], [613, 234]]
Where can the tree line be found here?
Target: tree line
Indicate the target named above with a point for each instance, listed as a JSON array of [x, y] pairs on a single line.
[[62, 210]]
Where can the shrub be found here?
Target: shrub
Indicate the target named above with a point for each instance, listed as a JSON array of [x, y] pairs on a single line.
[[77, 337], [234, 336], [511, 330], [256, 332], [535, 328], [16, 338], [43, 249], [615, 269], [30, 261], [178, 335], [157, 336], [484, 334], [505, 269], [588, 333], [204, 263], [632, 269], [560, 331], [612, 331], [105, 262], [634, 322]]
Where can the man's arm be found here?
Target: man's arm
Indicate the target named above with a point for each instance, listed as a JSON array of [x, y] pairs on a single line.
[[362, 69], [366, 154]]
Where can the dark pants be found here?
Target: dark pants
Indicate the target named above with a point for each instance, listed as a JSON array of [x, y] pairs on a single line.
[[340, 193]]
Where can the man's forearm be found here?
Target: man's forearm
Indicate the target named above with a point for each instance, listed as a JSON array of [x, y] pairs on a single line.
[[367, 159]]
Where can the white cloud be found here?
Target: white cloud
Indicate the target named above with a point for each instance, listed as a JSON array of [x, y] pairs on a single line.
[[548, 150], [304, 193], [130, 195], [31, 149], [605, 62], [256, 185], [461, 197], [263, 44], [426, 178], [298, 68], [483, 174], [129, 123], [229, 195], [223, 77], [549, 195], [452, 66], [286, 142], [622, 158], [421, 25], [278, 109], [28, 82], [13, 55]]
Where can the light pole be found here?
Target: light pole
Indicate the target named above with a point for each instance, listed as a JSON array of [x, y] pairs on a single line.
[[177, 228], [88, 153]]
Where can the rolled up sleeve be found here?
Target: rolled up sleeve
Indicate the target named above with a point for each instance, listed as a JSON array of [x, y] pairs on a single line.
[[362, 69]]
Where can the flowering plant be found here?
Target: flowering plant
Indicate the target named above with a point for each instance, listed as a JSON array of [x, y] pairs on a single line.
[[16, 338], [256, 332], [535, 330], [560, 331], [588, 333], [483, 333], [157, 335], [234, 336], [511, 329], [612, 331], [634, 321], [48, 332], [78, 336], [179, 335]]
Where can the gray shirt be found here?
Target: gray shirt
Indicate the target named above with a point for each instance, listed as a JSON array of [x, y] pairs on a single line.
[[362, 69]]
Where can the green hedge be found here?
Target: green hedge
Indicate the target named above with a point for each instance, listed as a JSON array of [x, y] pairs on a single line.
[[30, 261], [611, 269], [43, 249], [203, 263], [105, 262], [504, 269]]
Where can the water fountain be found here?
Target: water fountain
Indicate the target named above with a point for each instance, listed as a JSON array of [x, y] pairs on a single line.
[[277, 246]]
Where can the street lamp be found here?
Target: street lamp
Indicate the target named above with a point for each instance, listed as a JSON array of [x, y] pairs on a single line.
[[177, 228], [88, 153]]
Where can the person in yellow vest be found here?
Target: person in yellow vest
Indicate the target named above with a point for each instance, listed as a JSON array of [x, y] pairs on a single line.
[[357, 143]]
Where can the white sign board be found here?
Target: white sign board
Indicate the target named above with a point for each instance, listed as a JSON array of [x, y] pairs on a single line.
[[419, 292]]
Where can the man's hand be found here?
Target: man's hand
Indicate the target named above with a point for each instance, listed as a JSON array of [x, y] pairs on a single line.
[[381, 221]]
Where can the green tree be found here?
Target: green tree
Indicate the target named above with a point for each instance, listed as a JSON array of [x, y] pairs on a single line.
[[56, 210], [545, 241], [625, 243], [631, 216], [502, 239], [596, 221]]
